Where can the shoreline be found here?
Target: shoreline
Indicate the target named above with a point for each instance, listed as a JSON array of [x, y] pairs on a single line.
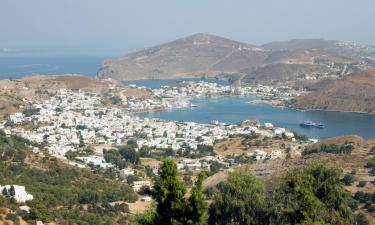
[[177, 79], [312, 110]]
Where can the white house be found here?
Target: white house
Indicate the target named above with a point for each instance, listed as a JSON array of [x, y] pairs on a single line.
[[259, 154], [20, 193], [138, 184], [276, 154], [289, 134], [126, 172], [268, 125]]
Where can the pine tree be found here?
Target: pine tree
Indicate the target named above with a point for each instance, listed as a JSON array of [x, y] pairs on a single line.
[[169, 194], [240, 200], [312, 194], [197, 207]]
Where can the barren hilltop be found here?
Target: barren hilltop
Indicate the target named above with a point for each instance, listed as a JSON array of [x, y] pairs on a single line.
[[354, 93], [196, 55], [216, 57]]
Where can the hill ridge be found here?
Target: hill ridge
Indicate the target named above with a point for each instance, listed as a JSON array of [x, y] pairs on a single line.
[[213, 56]]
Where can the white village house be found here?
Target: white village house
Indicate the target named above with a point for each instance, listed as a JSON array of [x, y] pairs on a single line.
[[20, 193]]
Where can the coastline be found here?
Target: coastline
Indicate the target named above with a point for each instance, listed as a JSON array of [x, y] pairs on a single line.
[[319, 110], [262, 101]]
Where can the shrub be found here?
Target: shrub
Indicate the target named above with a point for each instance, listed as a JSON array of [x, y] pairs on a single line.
[[362, 183], [362, 219], [348, 179], [330, 148]]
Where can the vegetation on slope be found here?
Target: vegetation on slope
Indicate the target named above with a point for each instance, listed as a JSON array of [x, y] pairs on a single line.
[[62, 194], [172, 205], [311, 195]]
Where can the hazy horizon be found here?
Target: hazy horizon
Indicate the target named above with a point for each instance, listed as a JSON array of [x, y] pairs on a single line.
[[120, 25]]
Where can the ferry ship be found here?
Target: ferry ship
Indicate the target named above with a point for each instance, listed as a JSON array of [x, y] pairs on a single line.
[[309, 123]]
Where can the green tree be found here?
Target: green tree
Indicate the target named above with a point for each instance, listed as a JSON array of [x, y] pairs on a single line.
[[114, 156], [348, 179], [129, 154], [362, 183], [146, 218], [205, 149], [209, 192], [196, 211], [188, 181], [88, 197], [294, 202], [313, 194], [169, 193], [5, 192], [12, 191], [240, 200], [362, 219], [81, 141]]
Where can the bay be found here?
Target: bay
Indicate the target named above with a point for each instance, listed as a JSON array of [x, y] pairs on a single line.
[[228, 109], [234, 109]]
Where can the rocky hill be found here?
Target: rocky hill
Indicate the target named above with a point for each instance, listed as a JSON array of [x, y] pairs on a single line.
[[192, 56], [300, 44], [212, 56], [355, 92]]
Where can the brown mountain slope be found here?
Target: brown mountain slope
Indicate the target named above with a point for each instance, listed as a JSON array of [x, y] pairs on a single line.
[[277, 72], [300, 44], [212, 56], [196, 55], [354, 92]]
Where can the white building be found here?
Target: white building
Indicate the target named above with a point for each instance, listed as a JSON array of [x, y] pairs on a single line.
[[138, 184], [259, 154], [17, 118], [126, 172], [276, 154], [20, 193], [268, 125]]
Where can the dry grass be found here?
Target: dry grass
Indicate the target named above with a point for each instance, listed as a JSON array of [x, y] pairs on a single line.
[[138, 207], [4, 221], [271, 171]]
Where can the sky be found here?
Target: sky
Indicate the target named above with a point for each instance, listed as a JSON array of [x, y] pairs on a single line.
[[120, 25]]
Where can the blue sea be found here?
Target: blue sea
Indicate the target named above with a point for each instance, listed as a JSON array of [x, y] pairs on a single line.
[[234, 109], [231, 109], [20, 65]]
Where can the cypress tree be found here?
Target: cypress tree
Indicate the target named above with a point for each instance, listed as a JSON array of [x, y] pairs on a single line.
[[12, 191], [5, 192]]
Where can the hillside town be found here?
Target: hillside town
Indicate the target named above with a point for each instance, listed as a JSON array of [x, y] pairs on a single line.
[[70, 120], [204, 88]]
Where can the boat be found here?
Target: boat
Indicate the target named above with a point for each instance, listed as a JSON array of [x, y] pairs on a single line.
[[309, 123], [193, 106], [215, 122]]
